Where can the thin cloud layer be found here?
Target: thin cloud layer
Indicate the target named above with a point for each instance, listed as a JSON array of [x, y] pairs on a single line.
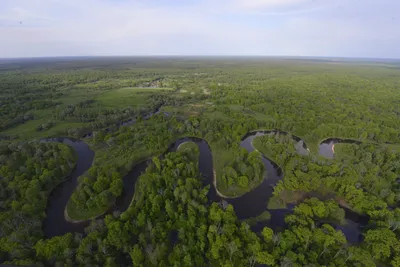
[[31, 28], [270, 4]]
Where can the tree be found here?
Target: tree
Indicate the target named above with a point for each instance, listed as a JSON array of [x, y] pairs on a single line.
[[137, 256], [382, 243]]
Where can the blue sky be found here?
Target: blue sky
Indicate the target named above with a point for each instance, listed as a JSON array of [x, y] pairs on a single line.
[[344, 28]]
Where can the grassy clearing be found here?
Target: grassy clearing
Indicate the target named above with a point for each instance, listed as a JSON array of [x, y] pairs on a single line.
[[185, 111], [221, 157], [73, 214], [124, 97], [217, 115], [287, 197], [147, 89], [28, 130], [265, 216], [74, 96], [276, 203], [127, 96]]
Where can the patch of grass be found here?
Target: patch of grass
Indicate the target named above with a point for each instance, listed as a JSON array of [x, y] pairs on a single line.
[[276, 203], [185, 111], [76, 96], [287, 197], [217, 115], [72, 213], [27, 130], [146, 89], [395, 148], [127, 96], [265, 216]]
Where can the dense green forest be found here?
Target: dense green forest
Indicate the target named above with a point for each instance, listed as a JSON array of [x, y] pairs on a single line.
[[130, 110], [29, 171]]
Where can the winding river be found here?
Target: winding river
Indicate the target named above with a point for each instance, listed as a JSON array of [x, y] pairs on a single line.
[[249, 205], [55, 223]]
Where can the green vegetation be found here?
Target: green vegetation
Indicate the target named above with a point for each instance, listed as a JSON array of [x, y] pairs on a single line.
[[301, 173], [170, 221], [244, 172], [97, 188], [365, 175], [178, 218], [265, 216], [117, 153], [127, 97], [191, 149], [277, 147], [29, 171]]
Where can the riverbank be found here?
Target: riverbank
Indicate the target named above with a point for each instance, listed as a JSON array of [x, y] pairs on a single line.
[[216, 187]]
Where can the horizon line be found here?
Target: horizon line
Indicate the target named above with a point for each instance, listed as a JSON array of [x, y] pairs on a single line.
[[197, 56]]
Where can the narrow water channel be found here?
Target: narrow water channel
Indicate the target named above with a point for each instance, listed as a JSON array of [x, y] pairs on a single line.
[[55, 223]]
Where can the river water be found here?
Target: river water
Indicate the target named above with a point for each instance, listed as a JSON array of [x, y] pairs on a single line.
[[55, 223]]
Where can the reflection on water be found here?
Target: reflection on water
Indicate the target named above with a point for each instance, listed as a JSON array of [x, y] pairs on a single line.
[[326, 149]]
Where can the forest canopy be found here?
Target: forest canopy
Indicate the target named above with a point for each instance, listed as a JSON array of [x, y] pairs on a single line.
[[145, 200]]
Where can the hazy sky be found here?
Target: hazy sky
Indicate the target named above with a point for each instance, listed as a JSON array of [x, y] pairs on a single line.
[[350, 28]]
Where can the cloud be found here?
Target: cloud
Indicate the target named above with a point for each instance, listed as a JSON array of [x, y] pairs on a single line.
[[269, 4], [138, 27]]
